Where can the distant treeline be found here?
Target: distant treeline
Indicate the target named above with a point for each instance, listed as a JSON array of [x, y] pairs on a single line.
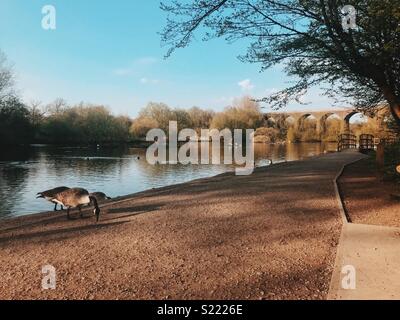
[[60, 123], [243, 114]]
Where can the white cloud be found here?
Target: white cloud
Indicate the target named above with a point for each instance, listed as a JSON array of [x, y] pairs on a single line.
[[225, 100], [123, 71], [149, 81], [246, 85], [137, 65], [145, 61]]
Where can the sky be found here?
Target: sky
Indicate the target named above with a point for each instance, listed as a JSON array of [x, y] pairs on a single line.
[[109, 52]]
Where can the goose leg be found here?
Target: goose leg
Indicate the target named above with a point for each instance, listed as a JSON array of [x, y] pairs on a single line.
[[68, 213], [62, 208], [55, 206], [80, 212]]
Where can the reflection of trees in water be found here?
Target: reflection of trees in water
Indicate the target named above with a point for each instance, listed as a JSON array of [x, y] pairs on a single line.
[[291, 151], [20, 154], [84, 162], [296, 151], [179, 171], [12, 184], [274, 152], [16, 169]]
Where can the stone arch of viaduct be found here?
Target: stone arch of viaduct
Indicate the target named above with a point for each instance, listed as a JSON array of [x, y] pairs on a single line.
[[299, 117]]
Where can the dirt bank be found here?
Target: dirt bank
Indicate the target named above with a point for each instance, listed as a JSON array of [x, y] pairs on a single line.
[[367, 197]]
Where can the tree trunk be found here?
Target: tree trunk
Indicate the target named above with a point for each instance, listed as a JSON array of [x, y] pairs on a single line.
[[394, 104], [395, 110]]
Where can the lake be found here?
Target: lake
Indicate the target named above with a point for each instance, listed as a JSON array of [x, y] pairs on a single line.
[[115, 171]]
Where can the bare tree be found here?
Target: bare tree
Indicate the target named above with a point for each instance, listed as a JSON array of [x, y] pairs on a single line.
[[36, 113], [6, 78], [57, 106]]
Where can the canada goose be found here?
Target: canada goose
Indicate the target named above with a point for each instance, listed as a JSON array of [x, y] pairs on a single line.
[[49, 195], [100, 196], [76, 198]]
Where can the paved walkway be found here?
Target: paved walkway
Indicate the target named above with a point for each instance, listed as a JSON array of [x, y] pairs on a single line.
[[367, 264], [373, 254], [270, 235]]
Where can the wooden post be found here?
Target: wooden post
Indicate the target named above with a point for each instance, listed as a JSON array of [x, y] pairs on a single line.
[[380, 155]]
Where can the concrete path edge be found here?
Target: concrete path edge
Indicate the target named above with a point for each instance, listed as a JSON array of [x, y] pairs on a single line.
[[333, 287]]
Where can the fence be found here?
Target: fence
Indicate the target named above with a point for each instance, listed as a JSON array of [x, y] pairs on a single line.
[[347, 141], [367, 142]]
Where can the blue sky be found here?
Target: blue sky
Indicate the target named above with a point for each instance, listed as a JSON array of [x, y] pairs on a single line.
[[109, 52]]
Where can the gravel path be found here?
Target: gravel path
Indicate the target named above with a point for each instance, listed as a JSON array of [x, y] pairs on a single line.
[[271, 235]]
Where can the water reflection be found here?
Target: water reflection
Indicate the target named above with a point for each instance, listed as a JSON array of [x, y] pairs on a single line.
[[116, 172]]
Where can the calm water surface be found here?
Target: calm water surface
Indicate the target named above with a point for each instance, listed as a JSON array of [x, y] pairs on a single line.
[[24, 172]]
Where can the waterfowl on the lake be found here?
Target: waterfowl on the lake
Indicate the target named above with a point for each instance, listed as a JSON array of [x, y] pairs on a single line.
[[76, 198], [100, 196], [49, 195]]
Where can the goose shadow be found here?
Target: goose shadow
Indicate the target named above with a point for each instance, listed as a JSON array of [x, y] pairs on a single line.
[[58, 233], [48, 217], [60, 216], [135, 209]]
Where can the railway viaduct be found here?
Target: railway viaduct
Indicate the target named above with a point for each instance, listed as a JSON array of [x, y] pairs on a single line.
[[298, 118]]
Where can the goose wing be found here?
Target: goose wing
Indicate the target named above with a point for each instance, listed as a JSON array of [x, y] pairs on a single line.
[[51, 193], [73, 197]]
